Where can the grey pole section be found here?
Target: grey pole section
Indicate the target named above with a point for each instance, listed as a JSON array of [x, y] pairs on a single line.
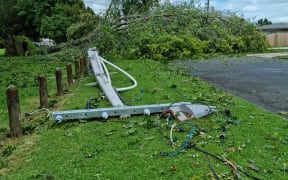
[[102, 80]]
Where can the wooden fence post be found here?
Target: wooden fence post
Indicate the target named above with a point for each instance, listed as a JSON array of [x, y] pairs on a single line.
[[43, 91], [59, 81], [77, 69], [85, 64], [82, 66], [69, 74], [14, 111]]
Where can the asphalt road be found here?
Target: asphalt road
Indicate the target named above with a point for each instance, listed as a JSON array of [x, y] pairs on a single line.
[[260, 80]]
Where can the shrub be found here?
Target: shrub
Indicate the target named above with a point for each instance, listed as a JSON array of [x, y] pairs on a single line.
[[169, 47], [18, 44]]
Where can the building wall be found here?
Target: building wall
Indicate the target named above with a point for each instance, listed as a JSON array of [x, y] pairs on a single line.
[[278, 39]]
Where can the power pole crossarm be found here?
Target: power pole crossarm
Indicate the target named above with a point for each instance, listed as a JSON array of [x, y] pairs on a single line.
[[194, 111]]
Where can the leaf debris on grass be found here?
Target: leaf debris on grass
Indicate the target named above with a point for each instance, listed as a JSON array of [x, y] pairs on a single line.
[[130, 148]]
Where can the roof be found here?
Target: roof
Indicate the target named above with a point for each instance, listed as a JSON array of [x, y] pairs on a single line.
[[278, 26]]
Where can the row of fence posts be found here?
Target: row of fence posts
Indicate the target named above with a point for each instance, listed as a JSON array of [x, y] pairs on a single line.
[[13, 97]]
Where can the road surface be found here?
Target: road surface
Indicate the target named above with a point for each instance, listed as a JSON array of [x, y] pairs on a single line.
[[262, 80]]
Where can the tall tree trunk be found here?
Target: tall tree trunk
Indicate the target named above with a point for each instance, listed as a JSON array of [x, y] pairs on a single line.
[[10, 46]]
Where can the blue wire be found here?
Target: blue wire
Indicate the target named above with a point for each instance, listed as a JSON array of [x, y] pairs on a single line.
[[187, 141]]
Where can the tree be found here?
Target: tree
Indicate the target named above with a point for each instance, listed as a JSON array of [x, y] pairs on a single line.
[[262, 22], [55, 26], [87, 22], [123, 8], [32, 12], [36, 12], [63, 15], [35, 18], [10, 24], [170, 31]]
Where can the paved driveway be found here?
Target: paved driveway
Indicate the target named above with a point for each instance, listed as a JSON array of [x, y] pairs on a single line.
[[260, 80]]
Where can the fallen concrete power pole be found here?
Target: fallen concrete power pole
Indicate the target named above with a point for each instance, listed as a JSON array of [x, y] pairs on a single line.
[[188, 111], [181, 111]]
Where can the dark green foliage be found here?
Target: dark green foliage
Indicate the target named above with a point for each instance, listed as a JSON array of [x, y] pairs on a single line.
[[87, 21], [10, 23], [54, 27], [8, 150], [3, 164], [171, 32], [37, 18], [1, 42], [135, 29], [119, 8], [170, 47], [18, 44], [36, 12], [262, 22]]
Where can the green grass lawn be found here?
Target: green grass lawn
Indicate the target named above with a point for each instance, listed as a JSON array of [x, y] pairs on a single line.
[[282, 57], [2, 51], [254, 140]]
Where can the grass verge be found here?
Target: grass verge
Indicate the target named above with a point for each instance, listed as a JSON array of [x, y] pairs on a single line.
[[282, 57], [2, 52], [251, 138]]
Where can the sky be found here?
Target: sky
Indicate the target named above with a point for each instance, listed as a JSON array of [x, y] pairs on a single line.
[[273, 10]]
